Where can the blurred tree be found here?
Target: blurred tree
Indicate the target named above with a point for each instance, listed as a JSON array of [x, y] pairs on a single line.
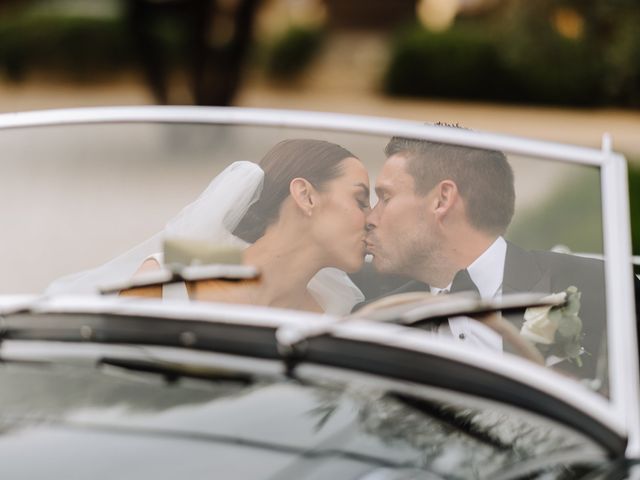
[[216, 35], [551, 57], [206, 39], [378, 15]]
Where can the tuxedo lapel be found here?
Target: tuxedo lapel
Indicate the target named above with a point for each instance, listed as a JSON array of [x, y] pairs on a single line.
[[523, 273]]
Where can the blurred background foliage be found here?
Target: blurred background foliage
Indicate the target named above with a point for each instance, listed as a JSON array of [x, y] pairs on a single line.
[[557, 214], [581, 233], [292, 51], [559, 52], [571, 52], [80, 48]]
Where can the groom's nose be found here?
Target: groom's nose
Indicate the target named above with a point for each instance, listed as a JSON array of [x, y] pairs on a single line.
[[372, 219]]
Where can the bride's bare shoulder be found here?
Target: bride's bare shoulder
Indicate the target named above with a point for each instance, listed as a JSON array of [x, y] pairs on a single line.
[[247, 292], [155, 291], [222, 290]]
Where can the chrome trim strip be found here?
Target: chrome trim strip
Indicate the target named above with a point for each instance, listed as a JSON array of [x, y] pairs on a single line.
[[305, 119], [63, 352], [15, 303], [249, 315], [621, 327]]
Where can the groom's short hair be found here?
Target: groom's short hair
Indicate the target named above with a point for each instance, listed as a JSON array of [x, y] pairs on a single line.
[[484, 177]]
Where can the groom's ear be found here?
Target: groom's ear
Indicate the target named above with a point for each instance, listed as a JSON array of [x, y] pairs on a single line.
[[446, 197], [303, 194]]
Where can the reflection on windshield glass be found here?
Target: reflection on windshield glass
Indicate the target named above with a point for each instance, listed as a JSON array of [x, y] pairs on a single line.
[[301, 430], [332, 223]]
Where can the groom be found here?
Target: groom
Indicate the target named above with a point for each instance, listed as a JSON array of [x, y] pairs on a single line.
[[440, 220]]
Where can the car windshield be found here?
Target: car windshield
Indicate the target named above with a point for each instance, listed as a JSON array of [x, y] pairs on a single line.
[[325, 221]]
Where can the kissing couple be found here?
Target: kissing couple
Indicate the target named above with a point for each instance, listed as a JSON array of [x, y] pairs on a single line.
[[303, 216]]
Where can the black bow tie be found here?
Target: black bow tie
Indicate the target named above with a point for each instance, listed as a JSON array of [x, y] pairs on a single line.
[[462, 283]]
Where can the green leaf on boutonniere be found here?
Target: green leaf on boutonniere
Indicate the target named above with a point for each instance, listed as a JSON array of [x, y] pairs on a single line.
[[569, 326], [557, 330]]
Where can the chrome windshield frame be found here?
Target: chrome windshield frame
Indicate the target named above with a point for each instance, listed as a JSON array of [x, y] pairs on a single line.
[[299, 119], [622, 335]]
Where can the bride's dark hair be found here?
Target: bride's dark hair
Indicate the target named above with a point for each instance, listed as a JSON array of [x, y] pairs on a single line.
[[314, 160]]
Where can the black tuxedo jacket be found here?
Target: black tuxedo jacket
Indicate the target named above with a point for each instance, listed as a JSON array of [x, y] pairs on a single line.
[[550, 272]]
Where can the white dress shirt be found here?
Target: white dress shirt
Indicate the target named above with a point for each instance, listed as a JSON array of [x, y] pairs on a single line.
[[486, 272]]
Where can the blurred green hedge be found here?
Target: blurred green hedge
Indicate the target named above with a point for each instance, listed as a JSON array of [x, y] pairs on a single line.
[[78, 47], [520, 56], [84, 48], [292, 52], [462, 62]]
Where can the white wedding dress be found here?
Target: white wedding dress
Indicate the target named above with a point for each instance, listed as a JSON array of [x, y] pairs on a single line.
[[213, 216]]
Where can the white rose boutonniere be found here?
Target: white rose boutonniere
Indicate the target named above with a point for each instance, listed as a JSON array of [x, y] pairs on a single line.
[[557, 330]]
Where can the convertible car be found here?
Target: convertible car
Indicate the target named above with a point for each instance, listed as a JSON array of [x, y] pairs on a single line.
[[170, 307]]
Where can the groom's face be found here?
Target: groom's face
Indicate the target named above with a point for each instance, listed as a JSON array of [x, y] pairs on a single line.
[[400, 235]]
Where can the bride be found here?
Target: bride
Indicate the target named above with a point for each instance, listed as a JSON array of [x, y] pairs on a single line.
[[300, 212]]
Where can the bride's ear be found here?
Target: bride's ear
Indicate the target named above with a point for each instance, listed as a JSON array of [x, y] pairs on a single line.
[[303, 194]]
